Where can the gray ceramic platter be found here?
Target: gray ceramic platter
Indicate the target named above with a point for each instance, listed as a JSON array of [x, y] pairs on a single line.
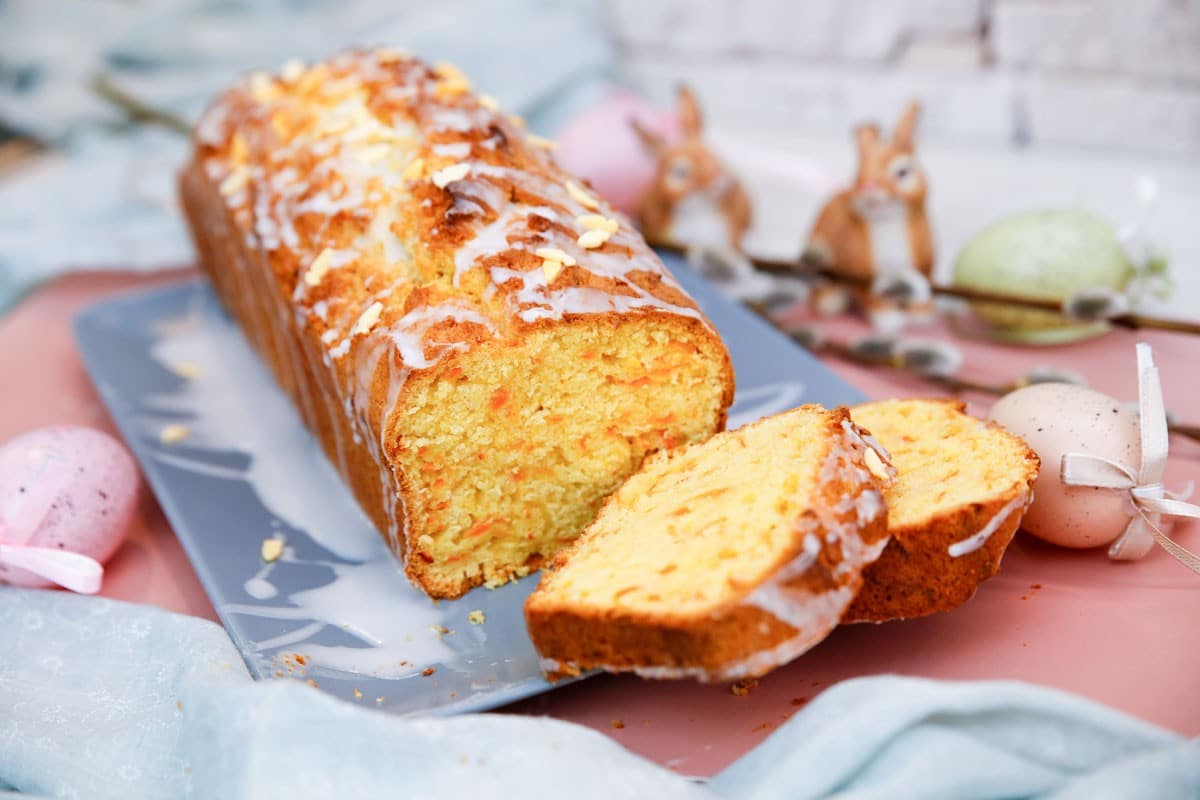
[[335, 608]]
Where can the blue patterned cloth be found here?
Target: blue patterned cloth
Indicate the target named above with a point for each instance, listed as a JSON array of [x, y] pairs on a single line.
[[106, 198], [102, 699]]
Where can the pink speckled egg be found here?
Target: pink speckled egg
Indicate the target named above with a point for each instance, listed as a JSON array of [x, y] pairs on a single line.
[[600, 145], [1059, 418], [64, 488]]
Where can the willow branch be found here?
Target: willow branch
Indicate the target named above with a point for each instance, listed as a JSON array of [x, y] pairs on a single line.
[[802, 268], [138, 110], [950, 383]]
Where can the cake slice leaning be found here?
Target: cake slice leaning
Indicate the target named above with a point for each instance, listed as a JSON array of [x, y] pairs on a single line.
[[961, 488], [721, 560]]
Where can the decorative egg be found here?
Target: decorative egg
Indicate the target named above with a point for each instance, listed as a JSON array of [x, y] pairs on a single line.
[[64, 488], [1059, 418], [1045, 255], [599, 144]]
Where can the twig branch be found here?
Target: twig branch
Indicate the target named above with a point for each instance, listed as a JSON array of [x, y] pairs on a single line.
[[950, 383], [805, 268], [138, 110]]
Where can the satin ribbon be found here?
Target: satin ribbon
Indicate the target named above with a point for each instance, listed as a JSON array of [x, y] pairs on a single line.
[[19, 520], [1150, 501]]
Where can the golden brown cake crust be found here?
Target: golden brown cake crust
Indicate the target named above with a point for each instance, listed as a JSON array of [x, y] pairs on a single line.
[[740, 639], [917, 575], [371, 223]]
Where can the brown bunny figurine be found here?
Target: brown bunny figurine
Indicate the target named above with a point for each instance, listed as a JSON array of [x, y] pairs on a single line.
[[877, 229], [695, 202]]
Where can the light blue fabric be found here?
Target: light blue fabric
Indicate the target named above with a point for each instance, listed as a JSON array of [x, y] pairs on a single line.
[[107, 197], [104, 699]]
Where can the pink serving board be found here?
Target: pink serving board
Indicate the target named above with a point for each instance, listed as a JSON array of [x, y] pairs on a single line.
[[1126, 634]]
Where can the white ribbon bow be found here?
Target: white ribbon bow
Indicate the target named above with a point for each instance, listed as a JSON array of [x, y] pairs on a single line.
[[20, 518], [1150, 500]]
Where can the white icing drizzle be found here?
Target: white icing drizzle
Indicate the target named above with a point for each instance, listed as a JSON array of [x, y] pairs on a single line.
[[342, 171], [978, 540], [812, 616]]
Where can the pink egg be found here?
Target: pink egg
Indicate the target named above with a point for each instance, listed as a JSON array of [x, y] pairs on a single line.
[[1059, 418], [64, 488], [600, 145]]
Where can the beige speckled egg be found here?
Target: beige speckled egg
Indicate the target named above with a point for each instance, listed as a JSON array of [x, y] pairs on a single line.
[[1059, 418]]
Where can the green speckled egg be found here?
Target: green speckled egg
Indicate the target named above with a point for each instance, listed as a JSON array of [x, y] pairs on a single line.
[[1047, 255]]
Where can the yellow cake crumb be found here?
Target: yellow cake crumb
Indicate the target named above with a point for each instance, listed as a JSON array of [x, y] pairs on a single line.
[[188, 370], [272, 549], [317, 269], [173, 433], [414, 170]]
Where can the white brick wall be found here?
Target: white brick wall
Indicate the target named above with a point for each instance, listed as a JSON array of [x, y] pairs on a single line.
[[1106, 73]]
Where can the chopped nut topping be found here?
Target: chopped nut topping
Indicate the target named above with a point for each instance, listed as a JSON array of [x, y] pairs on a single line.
[[554, 254], [476, 617], [262, 87], [452, 81], [238, 149], [318, 268], [292, 70], [581, 196], [541, 142], [449, 72], [336, 126], [551, 269], [173, 433], [390, 55], [448, 175], [312, 79], [235, 181], [875, 464], [368, 319], [593, 239], [357, 694], [488, 102], [272, 549], [597, 222], [373, 153], [414, 170]]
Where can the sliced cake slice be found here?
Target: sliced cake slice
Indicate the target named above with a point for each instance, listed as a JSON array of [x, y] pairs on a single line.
[[961, 488], [720, 560]]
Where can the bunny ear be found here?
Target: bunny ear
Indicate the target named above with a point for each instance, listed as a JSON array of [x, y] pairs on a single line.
[[655, 145], [690, 118], [866, 137], [906, 129]]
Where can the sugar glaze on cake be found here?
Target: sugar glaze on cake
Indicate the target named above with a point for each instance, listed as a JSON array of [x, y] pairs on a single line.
[[744, 552], [389, 226]]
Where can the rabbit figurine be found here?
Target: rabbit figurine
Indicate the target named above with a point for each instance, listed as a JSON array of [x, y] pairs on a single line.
[[696, 203], [877, 230]]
